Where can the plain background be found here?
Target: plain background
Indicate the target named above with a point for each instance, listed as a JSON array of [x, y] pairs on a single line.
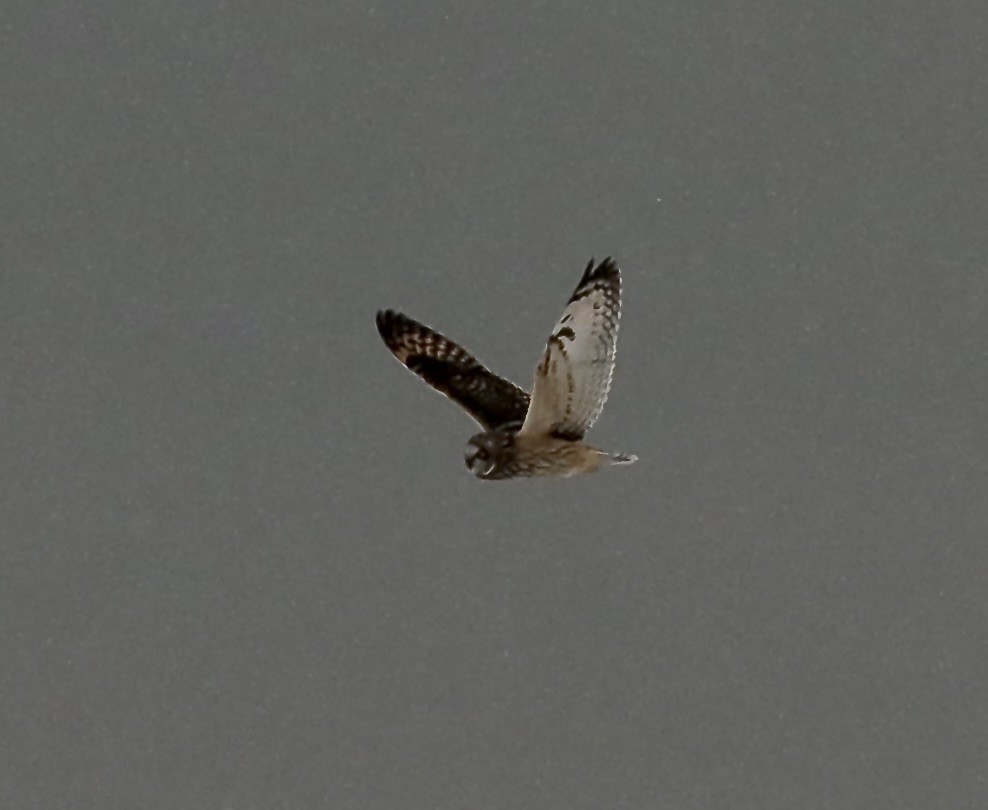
[[243, 564]]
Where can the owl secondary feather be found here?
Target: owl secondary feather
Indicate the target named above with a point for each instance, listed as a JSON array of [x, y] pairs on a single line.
[[537, 435]]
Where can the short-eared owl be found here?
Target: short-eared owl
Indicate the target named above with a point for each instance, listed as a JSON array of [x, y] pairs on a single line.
[[541, 434]]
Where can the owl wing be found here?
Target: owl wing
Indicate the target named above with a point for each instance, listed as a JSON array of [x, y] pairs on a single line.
[[574, 375], [452, 370]]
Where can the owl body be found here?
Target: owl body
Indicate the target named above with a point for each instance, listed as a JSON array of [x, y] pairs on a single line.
[[528, 435], [499, 455]]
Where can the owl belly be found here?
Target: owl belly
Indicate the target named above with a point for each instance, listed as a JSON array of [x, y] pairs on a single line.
[[549, 457]]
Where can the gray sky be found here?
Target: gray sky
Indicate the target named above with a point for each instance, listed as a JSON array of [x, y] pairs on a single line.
[[243, 564]]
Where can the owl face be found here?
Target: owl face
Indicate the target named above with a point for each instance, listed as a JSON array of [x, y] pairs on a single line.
[[487, 453]]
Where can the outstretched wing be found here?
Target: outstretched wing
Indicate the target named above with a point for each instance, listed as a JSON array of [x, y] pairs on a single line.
[[574, 375], [449, 368]]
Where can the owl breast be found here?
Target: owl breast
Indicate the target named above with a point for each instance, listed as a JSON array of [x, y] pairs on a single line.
[[552, 457], [503, 456]]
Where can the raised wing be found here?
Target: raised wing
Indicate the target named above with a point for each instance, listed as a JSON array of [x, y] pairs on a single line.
[[574, 375], [449, 368]]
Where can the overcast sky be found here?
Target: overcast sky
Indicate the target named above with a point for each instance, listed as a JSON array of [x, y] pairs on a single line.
[[243, 563]]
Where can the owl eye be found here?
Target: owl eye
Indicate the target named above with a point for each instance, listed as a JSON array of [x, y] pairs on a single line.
[[482, 454]]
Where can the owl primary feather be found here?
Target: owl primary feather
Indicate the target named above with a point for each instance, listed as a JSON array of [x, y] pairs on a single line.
[[537, 435]]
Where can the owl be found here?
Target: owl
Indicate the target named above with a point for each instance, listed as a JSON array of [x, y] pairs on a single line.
[[537, 435]]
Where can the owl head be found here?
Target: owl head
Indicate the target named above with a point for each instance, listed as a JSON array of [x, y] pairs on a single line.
[[488, 453]]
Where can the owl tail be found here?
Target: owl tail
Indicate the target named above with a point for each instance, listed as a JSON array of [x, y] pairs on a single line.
[[621, 458]]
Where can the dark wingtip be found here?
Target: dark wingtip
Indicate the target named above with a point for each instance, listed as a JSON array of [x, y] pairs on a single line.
[[606, 269], [586, 273], [607, 272], [387, 320]]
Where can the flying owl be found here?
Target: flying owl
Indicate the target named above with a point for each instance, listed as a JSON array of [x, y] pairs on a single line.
[[537, 435]]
